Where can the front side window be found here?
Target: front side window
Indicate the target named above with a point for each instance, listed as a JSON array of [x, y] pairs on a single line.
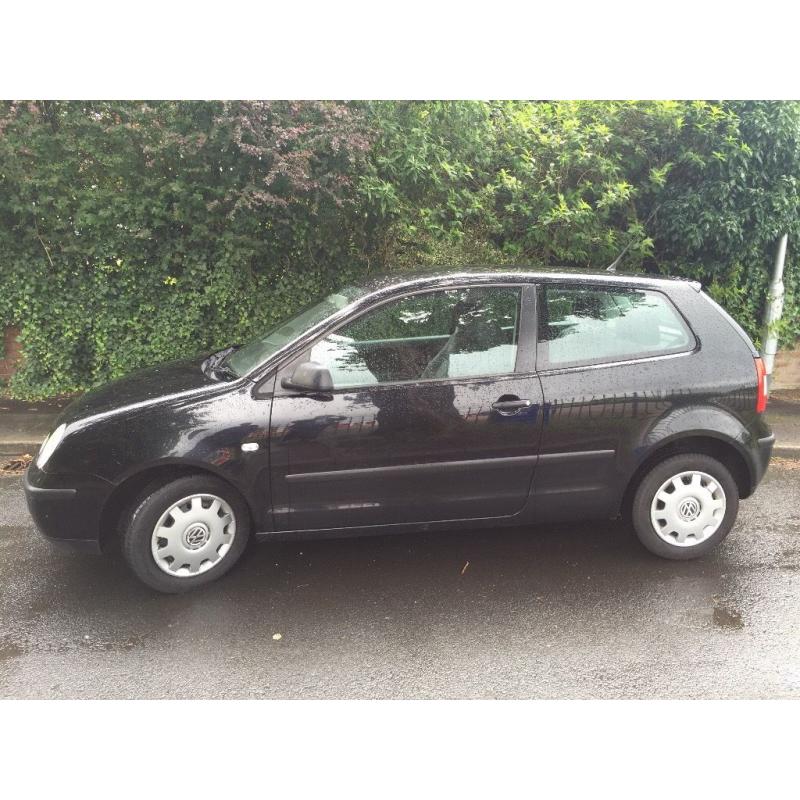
[[586, 325], [456, 333]]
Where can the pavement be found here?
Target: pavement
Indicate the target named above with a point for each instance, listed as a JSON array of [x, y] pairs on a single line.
[[23, 425], [567, 611], [783, 414]]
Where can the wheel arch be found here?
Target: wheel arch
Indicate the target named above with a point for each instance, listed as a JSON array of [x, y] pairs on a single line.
[[722, 449], [125, 494]]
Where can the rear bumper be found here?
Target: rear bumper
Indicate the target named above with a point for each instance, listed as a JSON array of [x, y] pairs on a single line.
[[66, 509], [762, 455]]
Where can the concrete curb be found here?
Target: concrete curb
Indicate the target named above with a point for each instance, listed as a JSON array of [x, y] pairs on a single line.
[[9, 449], [786, 451]]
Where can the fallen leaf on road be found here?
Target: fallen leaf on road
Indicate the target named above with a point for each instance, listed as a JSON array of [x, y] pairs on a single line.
[[16, 465]]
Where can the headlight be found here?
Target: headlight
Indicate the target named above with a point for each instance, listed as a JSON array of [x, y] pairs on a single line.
[[49, 445]]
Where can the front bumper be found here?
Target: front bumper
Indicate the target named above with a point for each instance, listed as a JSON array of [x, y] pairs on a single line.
[[67, 509]]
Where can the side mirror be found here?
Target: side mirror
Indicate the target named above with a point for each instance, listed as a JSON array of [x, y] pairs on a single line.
[[309, 377]]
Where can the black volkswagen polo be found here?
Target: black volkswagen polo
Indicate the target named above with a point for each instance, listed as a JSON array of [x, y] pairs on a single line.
[[423, 402]]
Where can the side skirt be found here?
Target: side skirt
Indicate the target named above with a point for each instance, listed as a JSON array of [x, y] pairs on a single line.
[[383, 530]]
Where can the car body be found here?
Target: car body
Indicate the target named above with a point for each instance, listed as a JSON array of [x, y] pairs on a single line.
[[518, 397]]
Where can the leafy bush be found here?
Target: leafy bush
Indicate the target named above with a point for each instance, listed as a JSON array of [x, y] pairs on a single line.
[[134, 232], [697, 189]]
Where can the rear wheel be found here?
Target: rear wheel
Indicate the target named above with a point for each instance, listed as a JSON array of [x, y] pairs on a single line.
[[685, 506], [186, 534]]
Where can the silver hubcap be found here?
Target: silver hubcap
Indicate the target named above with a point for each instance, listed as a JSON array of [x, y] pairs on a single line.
[[193, 535], [688, 508]]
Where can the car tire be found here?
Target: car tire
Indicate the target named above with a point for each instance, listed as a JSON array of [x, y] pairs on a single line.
[[685, 506], [186, 534]]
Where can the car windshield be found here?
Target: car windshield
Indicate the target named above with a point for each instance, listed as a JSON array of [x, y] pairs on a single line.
[[250, 355]]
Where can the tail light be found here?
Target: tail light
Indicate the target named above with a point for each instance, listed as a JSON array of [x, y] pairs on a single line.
[[761, 400]]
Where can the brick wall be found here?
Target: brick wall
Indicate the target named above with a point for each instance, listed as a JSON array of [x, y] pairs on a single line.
[[10, 353]]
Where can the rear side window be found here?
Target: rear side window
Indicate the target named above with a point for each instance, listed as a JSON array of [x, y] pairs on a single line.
[[589, 325]]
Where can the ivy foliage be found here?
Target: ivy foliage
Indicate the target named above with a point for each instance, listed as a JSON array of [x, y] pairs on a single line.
[[134, 232]]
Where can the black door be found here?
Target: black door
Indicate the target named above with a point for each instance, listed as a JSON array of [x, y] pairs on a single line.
[[435, 415]]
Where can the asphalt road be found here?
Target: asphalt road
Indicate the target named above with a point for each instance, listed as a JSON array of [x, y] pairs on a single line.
[[566, 611]]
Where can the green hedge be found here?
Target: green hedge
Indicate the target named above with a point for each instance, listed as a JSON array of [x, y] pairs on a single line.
[[134, 232]]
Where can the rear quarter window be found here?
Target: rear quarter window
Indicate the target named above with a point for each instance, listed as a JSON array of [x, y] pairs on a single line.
[[582, 325]]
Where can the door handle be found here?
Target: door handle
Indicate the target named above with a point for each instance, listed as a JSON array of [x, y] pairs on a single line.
[[510, 406]]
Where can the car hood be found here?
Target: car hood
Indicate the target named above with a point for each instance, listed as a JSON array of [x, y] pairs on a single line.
[[143, 387]]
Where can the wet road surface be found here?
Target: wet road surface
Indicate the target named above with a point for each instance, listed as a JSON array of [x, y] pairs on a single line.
[[558, 611]]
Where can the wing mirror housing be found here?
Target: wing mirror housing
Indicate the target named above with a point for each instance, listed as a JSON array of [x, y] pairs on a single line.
[[309, 377]]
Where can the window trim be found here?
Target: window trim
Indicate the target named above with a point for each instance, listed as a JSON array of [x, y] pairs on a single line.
[[544, 366], [526, 340]]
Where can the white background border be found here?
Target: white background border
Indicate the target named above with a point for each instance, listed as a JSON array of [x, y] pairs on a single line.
[[413, 49], [399, 50]]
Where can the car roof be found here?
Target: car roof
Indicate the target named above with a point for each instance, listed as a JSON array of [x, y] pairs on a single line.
[[434, 276]]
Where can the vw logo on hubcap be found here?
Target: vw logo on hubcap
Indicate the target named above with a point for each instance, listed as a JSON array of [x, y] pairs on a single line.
[[195, 536], [689, 509]]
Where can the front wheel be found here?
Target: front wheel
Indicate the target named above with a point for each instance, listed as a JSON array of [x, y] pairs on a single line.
[[186, 534], [685, 506]]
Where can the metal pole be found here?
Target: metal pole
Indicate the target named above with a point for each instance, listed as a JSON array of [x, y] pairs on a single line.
[[774, 308]]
